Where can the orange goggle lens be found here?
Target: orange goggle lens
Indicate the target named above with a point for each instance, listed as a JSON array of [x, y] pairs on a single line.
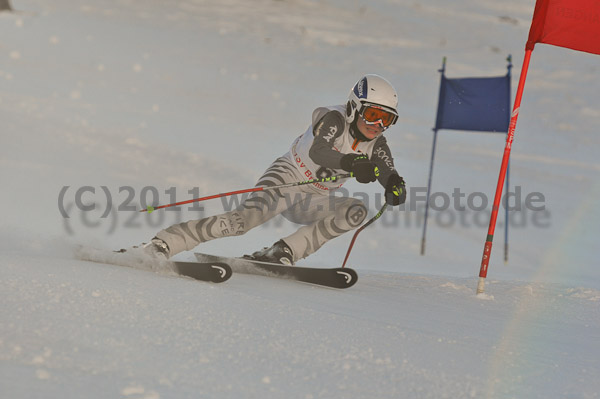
[[374, 114]]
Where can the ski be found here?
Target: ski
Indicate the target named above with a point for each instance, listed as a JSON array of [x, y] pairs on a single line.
[[330, 277], [216, 272], [211, 271]]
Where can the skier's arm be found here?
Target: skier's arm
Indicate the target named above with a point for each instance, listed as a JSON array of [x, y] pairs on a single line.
[[395, 190], [326, 130], [382, 157]]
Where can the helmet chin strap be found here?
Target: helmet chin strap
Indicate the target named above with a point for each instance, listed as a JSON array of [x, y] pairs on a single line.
[[355, 132]]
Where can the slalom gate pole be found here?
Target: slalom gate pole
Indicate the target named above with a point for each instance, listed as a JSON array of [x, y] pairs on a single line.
[[506, 216], [423, 238], [487, 249], [435, 133], [151, 209], [364, 226]]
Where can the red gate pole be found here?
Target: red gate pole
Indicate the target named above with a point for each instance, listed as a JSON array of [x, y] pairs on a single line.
[[487, 249]]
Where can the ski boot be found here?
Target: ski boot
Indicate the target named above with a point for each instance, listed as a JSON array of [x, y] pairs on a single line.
[[156, 249], [279, 253]]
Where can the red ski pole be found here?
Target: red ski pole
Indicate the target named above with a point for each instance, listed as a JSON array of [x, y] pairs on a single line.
[[151, 209], [364, 226]]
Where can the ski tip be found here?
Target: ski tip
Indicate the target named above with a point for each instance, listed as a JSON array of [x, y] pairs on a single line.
[[216, 272], [223, 272], [350, 277]]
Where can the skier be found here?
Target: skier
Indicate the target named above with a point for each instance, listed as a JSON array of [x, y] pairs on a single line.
[[341, 139]]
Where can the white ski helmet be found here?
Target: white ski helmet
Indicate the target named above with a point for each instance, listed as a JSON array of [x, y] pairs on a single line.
[[372, 90]]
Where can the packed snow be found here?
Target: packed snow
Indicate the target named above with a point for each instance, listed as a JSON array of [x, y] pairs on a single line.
[[121, 100]]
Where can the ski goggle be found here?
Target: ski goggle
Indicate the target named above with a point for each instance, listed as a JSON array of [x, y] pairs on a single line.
[[373, 114]]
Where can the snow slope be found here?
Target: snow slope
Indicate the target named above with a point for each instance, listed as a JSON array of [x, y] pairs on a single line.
[[78, 329], [191, 94]]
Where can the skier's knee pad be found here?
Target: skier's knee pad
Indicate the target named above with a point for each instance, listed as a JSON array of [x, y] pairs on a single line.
[[353, 213], [232, 224]]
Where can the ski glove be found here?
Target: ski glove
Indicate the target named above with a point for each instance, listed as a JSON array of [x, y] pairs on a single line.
[[361, 167], [395, 190]]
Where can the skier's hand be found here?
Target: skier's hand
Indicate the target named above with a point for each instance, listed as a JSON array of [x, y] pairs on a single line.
[[395, 190], [361, 167]]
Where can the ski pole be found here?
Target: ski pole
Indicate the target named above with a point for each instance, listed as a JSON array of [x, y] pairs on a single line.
[[151, 209], [364, 226]]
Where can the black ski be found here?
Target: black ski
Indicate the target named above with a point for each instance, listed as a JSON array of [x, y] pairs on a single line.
[[332, 277], [217, 272], [213, 271]]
